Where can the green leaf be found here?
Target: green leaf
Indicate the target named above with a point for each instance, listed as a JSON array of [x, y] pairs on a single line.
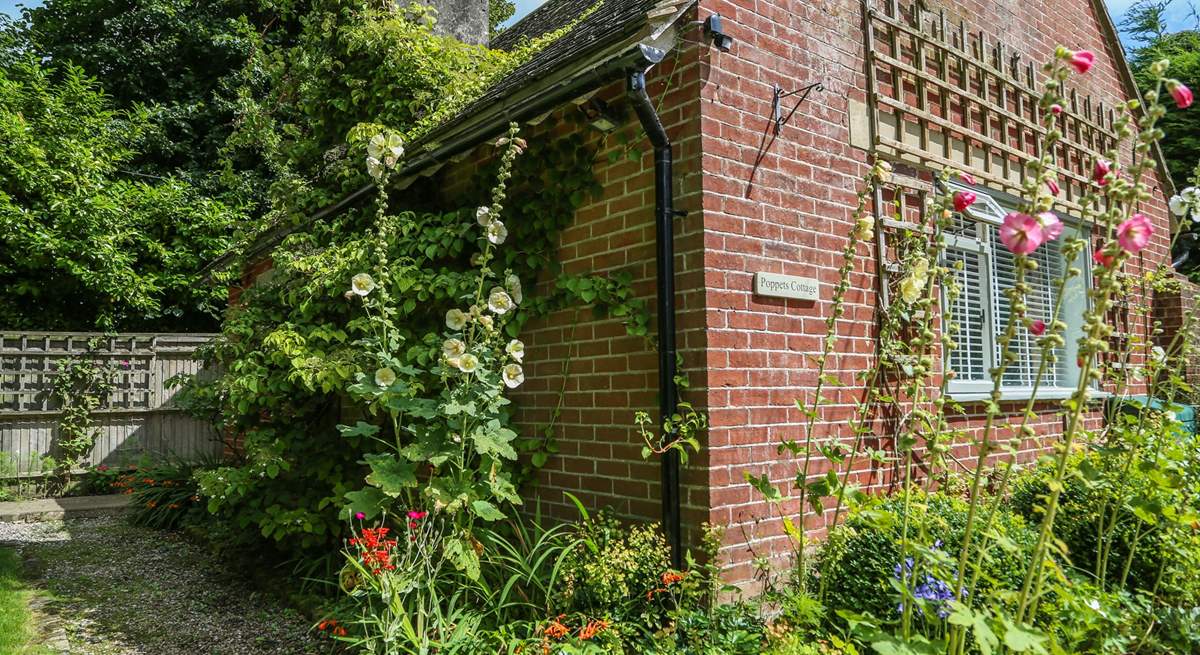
[[494, 439], [390, 475], [463, 555], [1019, 638], [487, 511], [359, 429], [369, 501]]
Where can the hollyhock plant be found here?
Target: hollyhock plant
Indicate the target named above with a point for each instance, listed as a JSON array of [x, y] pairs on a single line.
[[1052, 185], [963, 200], [1180, 93], [1037, 328], [1021, 233], [1101, 171], [1102, 258], [1082, 61], [1134, 233], [1056, 109], [967, 178], [362, 284]]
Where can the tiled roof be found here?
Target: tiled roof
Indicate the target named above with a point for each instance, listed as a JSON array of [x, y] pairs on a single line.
[[610, 21]]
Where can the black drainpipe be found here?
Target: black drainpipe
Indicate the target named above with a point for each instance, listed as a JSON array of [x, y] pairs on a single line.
[[664, 214]]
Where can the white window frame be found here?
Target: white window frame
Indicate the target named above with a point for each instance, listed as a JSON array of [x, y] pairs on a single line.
[[989, 209]]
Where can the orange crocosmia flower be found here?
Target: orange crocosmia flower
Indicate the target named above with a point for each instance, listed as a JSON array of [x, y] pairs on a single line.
[[592, 629], [671, 577], [556, 630]]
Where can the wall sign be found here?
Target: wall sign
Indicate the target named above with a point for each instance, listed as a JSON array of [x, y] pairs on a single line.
[[786, 286]]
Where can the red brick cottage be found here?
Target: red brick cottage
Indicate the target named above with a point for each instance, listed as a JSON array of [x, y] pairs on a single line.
[[766, 168]]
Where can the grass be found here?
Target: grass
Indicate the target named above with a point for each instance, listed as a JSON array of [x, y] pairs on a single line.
[[16, 621]]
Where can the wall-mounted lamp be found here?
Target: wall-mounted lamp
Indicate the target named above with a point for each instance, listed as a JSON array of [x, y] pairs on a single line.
[[714, 31], [599, 115]]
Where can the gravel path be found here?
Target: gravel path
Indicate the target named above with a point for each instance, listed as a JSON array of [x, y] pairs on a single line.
[[123, 590]]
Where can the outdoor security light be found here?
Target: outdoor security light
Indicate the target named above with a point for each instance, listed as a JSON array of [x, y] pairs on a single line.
[[714, 31]]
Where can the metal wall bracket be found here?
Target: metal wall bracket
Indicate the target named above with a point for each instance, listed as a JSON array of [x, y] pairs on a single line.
[[777, 102]]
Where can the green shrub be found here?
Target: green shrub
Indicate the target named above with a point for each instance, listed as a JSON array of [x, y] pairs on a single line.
[[860, 557], [163, 495], [614, 569], [1175, 553]]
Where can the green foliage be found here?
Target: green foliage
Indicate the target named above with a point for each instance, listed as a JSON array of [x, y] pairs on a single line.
[[88, 244], [860, 558], [1145, 26], [82, 385], [163, 495], [614, 570], [176, 58]]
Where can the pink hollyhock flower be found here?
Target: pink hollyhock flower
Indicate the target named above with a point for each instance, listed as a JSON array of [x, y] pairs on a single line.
[[1037, 328], [1056, 109], [1021, 233], [1082, 61], [1134, 234], [360, 516], [1053, 186], [1103, 168], [1181, 94], [967, 178], [962, 200], [1051, 226], [1102, 259], [417, 516]]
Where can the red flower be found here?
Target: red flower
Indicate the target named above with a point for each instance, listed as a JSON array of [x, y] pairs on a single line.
[[962, 200], [1102, 259], [1181, 94], [1053, 186], [416, 515], [1056, 109], [967, 178], [1037, 328], [1100, 174], [1082, 61]]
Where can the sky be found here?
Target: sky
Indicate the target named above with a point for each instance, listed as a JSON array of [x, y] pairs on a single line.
[[1177, 15]]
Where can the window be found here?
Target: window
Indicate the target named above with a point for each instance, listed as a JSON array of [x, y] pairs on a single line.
[[985, 270]]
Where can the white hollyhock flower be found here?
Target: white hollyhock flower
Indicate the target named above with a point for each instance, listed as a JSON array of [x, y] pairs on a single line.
[[362, 284], [512, 284], [387, 147], [486, 322], [483, 216], [374, 167], [515, 349], [384, 377], [468, 363], [499, 301], [1178, 205], [376, 146], [496, 232], [452, 348], [513, 375], [456, 319]]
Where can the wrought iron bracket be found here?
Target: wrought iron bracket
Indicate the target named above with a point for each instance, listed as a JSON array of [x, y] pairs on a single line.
[[777, 102]]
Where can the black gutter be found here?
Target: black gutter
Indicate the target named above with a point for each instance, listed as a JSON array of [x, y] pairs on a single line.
[[664, 215]]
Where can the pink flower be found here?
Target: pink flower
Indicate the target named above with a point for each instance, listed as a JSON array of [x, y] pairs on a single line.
[[1056, 109], [1053, 186], [1082, 61], [1102, 259], [1103, 168], [967, 178], [962, 200], [1181, 94], [1037, 328], [1021, 233], [360, 516], [1134, 234], [1051, 226], [417, 516]]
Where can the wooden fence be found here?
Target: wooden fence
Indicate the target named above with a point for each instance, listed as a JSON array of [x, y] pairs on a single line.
[[136, 421]]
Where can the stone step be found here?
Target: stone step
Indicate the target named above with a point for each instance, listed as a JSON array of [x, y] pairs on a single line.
[[54, 509]]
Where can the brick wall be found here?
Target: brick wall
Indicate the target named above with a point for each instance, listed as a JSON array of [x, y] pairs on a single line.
[[791, 214], [1172, 305]]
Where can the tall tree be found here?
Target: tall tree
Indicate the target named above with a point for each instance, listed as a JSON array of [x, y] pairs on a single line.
[[86, 243], [1151, 41]]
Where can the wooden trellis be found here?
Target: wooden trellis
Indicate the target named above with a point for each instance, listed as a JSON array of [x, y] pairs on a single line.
[[943, 96]]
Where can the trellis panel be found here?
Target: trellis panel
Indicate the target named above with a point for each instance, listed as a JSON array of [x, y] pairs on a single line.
[[941, 96], [136, 420]]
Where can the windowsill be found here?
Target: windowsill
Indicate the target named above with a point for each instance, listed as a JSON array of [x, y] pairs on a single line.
[[1019, 394]]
